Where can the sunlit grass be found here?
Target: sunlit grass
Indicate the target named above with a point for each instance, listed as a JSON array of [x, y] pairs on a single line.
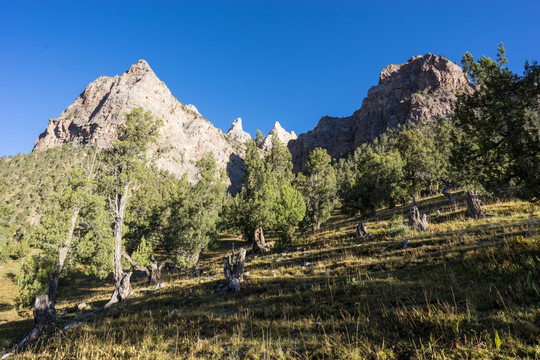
[[461, 290]]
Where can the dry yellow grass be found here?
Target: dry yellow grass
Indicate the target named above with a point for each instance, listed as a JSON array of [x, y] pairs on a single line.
[[464, 289]]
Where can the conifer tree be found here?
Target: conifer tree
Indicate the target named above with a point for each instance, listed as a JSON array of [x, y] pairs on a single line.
[[126, 169], [195, 213], [499, 126], [318, 185]]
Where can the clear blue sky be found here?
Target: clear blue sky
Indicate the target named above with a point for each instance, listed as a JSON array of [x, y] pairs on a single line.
[[290, 61]]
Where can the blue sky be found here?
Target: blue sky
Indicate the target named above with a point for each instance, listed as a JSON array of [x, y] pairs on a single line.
[[290, 61]]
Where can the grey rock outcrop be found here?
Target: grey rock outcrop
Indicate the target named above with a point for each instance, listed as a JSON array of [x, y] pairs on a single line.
[[421, 90], [281, 134], [236, 132], [95, 116]]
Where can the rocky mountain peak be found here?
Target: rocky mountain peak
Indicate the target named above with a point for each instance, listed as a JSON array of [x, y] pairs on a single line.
[[237, 133], [281, 134], [423, 89], [95, 116], [141, 67], [426, 73]]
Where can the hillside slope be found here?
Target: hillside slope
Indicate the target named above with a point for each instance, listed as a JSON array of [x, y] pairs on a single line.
[[464, 289]]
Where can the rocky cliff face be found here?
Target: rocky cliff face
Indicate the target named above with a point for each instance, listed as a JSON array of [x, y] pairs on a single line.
[[421, 90], [185, 137], [281, 134]]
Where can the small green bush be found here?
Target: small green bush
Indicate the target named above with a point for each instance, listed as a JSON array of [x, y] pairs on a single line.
[[33, 278]]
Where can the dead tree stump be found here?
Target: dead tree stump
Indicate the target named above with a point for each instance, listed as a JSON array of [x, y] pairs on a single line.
[[451, 198], [361, 231], [474, 209], [154, 278], [44, 318], [259, 243], [417, 220], [234, 269], [121, 290], [153, 271]]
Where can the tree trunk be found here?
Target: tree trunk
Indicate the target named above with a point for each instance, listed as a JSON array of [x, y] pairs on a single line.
[[121, 291], [121, 280], [234, 271], [361, 231], [62, 254], [474, 209], [417, 220], [154, 277], [451, 198], [44, 318], [153, 271], [259, 243]]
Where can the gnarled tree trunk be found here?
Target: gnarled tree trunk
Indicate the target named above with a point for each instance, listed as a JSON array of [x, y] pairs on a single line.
[[62, 254], [417, 220], [447, 186], [361, 231], [121, 291], [234, 270], [155, 271], [44, 318], [259, 243], [474, 209], [122, 285]]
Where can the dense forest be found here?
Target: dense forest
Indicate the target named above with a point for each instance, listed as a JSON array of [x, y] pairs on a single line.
[[112, 214]]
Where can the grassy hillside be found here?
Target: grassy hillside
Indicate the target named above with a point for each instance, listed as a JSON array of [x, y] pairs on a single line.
[[464, 289]]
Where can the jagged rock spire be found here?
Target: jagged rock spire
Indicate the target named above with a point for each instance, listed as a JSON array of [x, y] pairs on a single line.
[[282, 135], [237, 133]]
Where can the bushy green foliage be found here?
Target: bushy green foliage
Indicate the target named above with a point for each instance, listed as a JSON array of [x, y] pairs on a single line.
[[499, 127], [5, 232], [194, 213], [141, 255], [406, 161], [375, 180], [33, 278], [268, 198], [27, 182], [76, 219], [318, 186]]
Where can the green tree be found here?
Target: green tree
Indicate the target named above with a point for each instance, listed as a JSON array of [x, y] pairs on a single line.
[[423, 166], [195, 213], [376, 180], [318, 185], [268, 198], [288, 207], [253, 205], [126, 169], [74, 220], [499, 127], [5, 231]]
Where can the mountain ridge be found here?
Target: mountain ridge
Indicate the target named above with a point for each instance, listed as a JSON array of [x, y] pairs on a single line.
[[423, 89]]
